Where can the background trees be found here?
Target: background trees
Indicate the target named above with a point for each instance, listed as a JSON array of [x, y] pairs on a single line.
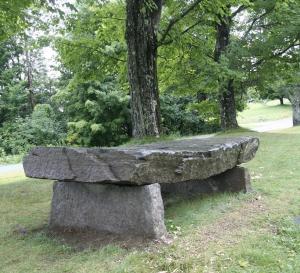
[[12, 17], [274, 48], [121, 71]]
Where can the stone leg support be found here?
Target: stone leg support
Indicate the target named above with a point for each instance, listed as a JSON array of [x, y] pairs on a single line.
[[233, 180], [126, 210]]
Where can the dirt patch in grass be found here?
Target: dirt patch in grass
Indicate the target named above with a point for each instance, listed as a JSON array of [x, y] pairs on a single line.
[[230, 227], [80, 240], [90, 239]]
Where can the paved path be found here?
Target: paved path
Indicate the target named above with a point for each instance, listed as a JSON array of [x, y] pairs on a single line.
[[6, 169], [273, 125]]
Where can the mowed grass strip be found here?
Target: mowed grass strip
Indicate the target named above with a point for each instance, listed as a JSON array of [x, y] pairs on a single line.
[[252, 232]]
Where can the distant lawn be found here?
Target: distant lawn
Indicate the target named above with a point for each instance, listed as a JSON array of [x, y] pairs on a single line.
[[229, 233], [258, 112]]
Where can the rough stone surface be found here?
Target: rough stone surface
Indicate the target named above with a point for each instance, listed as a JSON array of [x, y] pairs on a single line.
[[165, 162], [233, 180], [108, 208], [189, 188]]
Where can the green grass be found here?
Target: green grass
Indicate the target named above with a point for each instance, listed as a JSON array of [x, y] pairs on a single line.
[[222, 233], [259, 112]]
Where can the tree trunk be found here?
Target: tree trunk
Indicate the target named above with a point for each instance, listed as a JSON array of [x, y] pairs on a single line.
[[294, 98], [281, 101], [228, 108], [226, 92], [29, 79], [141, 25], [296, 113], [293, 94]]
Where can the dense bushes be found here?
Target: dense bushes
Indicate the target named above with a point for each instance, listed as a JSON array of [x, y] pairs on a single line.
[[187, 115], [14, 137], [41, 128], [98, 113]]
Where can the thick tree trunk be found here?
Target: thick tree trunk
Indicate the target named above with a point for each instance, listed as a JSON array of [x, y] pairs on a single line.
[[293, 94], [142, 21], [228, 108], [296, 113], [226, 92], [294, 98]]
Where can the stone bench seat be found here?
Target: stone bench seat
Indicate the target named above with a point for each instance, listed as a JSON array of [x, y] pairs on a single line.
[[119, 190]]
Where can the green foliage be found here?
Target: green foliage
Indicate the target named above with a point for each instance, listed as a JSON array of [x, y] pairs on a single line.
[[94, 95], [273, 45], [41, 128], [98, 113], [13, 96], [188, 63], [93, 90], [45, 127], [88, 49], [12, 17], [15, 137], [184, 115], [207, 110], [2, 152]]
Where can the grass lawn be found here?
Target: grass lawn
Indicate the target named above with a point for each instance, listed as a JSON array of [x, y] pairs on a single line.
[[259, 112], [223, 233]]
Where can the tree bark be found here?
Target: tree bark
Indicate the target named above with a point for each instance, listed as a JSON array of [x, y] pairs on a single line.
[[226, 92], [141, 26], [29, 79], [293, 94], [296, 113], [228, 107], [281, 101]]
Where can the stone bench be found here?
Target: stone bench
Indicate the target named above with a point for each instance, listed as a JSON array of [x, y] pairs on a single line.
[[119, 190]]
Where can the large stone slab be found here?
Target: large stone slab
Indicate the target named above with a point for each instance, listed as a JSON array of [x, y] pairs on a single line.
[[165, 162], [124, 210]]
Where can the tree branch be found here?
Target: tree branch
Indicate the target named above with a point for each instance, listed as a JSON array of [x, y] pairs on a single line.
[[192, 26], [255, 20], [176, 19], [238, 10], [278, 54], [112, 18], [76, 44]]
